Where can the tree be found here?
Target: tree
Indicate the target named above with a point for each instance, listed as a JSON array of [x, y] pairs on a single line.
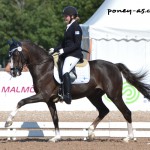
[[39, 21]]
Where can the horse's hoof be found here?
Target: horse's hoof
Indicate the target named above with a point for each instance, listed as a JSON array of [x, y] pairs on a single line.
[[55, 139], [91, 136], [8, 124], [127, 139]]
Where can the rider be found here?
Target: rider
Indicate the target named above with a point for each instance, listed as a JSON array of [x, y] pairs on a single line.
[[70, 48]]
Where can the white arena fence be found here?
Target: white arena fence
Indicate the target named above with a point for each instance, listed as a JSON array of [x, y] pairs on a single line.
[[72, 129]]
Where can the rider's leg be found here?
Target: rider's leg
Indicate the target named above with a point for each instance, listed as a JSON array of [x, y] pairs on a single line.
[[69, 63], [67, 88]]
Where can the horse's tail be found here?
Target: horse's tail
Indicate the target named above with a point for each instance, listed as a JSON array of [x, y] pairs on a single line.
[[135, 79]]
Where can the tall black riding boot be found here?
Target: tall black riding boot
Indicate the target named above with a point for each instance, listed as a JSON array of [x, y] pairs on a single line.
[[67, 88]]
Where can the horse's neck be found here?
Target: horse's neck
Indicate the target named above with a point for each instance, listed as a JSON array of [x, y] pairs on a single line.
[[38, 57], [38, 60], [41, 68], [35, 54]]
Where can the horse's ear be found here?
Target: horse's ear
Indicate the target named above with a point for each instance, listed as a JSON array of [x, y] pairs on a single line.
[[14, 41], [8, 42], [19, 43]]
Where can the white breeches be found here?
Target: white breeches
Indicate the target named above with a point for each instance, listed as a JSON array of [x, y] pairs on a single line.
[[69, 63]]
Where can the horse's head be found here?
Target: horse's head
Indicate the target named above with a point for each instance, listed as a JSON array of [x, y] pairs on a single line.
[[26, 53], [17, 60]]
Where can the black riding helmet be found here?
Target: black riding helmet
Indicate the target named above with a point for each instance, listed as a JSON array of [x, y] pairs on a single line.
[[70, 10]]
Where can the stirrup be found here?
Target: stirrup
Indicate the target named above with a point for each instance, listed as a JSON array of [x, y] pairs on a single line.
[[60, 94]]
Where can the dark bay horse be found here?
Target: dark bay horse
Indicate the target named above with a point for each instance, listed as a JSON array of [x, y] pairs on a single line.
[[105, 77]]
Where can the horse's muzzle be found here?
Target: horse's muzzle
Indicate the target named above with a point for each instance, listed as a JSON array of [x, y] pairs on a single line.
[[15, 71]]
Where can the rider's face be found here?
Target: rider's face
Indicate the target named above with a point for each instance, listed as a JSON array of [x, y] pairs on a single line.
[[67, 19]]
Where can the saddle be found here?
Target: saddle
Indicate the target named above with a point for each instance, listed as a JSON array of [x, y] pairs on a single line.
[[81, 71]]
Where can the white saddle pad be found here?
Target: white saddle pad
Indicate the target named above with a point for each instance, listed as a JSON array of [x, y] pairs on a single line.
[[83, 74]]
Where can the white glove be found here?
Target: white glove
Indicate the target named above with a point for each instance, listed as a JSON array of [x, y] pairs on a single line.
[[61, 51], [51, 50]]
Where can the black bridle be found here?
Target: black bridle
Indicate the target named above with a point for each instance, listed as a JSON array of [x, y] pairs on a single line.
[[17, 69], [16, 49]]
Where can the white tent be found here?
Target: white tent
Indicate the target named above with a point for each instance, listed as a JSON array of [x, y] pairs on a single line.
[[119, 31]]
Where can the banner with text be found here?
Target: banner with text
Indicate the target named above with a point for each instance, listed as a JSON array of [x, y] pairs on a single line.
[[12, 90]]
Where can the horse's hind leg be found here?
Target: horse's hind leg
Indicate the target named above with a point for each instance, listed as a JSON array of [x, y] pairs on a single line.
[[127, 115], [96, 100]]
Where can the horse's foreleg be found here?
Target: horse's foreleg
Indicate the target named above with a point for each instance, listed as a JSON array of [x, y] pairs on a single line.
[[53, 111], [10, 118], [32, 99]]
